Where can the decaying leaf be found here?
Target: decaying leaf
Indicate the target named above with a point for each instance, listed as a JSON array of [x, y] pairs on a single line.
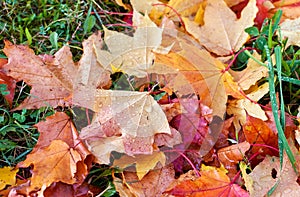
[[232, 155], [240, 108], [219, 18], [152, 185], [213, 182], [9, 82], [135, 118], [132, 55], [143, 163], [257, 131], [7, 176], [267, 174], [50, 80], [56, 162]]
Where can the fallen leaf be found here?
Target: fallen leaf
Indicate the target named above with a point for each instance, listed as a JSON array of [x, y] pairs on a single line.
[[213, 182], [152, 185], [129, 119], [9, 81], [268, 174], [54, 163], [241, 107], [290, 29], [250, 75], [257, 131], [47, 77], [144, 163], [132, 55], [219, 18], [7, 176], [232, 155], [91, 75]]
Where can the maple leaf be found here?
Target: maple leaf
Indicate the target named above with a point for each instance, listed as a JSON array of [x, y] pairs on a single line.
[[9, 82], [290, 29], [51, 81], [251, 74], [241, 107], [132, 55], [91, 75], [213, 182], [231, 155], [152, 184], [54, 163], [144, 163], [269, 173], [129, 120], [256, 131], [7, 176], [222, 32]]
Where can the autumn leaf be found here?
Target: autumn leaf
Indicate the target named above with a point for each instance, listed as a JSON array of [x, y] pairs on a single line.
[[257, 131], [7, 176], [222, 32], [91, 75], [9, 82], [268, 174], [241, 107], [51, 81], [132, 55], [231, 155], [143, 163], [213, 182], [54, 163], [126, 121], [152, 184], [290, 29], [251, 74]]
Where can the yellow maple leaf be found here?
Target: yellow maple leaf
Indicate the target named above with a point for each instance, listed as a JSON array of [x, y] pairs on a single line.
[[7, 176]]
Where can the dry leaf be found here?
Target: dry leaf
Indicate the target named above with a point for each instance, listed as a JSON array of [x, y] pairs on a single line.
[[240, 108], [268, 173], [290, 29], [54, 163], [257, 131], [129, 119], [250, 75], [232, 155], [152, 185], [144, 163], [9, 81], [213, 182], [91, 74], [47, 76], [222, 33], [7, 176], [132, 55]]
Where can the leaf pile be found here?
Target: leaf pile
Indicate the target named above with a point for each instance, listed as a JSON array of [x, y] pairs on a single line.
[[177, 122]]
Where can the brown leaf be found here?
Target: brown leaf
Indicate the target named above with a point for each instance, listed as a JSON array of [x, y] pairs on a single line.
[[132, 118], [54, 163], [267, 174], [144, 163], [222, 32], [152, 185], [91, 74], [232, 155], [46, 77]]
